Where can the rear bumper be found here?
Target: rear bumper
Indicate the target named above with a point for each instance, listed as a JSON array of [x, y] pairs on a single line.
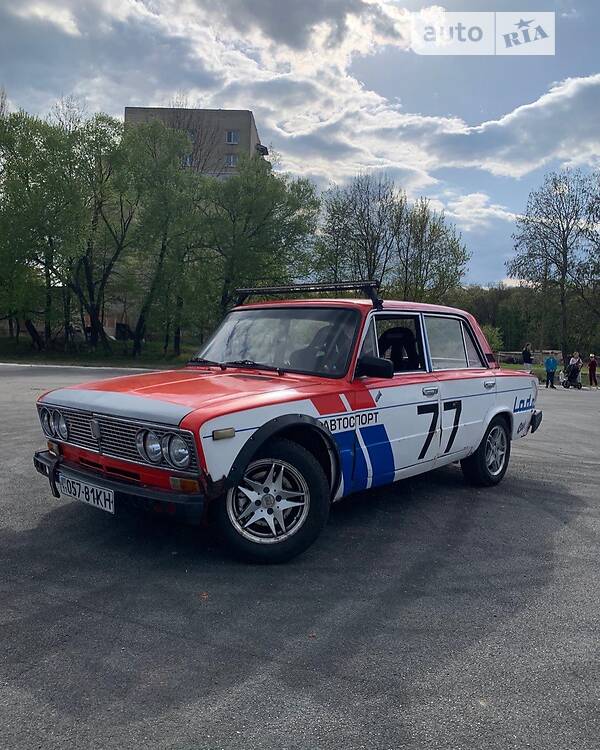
[[536, 420], [188, 506]]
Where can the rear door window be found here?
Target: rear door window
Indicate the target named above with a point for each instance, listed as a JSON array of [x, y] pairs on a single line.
[[446, 343]]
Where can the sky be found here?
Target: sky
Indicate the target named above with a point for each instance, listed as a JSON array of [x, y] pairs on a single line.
[[336, 88]]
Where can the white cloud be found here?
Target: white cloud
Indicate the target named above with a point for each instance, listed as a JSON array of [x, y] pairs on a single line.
[[475, 211], [47, 11], [289, 62], [559, 126]]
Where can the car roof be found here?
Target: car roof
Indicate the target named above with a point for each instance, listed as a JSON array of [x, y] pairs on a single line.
[[363, 305]]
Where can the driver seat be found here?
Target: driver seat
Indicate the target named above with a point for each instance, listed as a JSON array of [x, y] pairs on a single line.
[[402, 346], [305, 358]]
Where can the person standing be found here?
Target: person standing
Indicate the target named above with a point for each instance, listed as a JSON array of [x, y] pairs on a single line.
[[592, 371], [527, 358], [550, 363], [578, 363]]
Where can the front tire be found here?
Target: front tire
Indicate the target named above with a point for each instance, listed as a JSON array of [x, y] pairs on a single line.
[[487, 466], [279, 507]]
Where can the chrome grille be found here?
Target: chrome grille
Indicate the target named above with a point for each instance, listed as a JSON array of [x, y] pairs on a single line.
[[117, 436]]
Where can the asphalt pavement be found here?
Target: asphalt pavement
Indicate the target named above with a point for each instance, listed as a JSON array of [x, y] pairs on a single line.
[[429, 614]]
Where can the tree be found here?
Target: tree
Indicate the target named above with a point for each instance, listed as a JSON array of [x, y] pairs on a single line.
[[369, 230], [254, 224], [374, 207], [39, 200], [494, 336], [328, 259], [430, 257], [556, 239], [204, 153], [165, 192]]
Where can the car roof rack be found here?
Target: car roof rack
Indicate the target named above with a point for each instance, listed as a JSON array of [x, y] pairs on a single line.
[[370, 288]]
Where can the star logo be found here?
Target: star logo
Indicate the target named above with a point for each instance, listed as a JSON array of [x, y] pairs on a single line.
[[524, 24]]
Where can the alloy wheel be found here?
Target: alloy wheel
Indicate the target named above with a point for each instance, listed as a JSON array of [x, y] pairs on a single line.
[[495, 450], [271, 502]]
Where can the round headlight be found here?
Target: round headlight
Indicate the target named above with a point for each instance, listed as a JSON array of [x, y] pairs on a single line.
[[46, 421], [59, 425], [177, 451], [149, 446]]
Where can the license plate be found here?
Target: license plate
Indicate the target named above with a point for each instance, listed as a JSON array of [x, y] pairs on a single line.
[[90, 494]]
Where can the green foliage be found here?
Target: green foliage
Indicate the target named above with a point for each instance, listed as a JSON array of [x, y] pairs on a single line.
[[98, 221], [557, 243], [254, 225], [101, 223], [494, 336], [369, 230]]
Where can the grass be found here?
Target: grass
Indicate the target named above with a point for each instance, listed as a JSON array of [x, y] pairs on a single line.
[[120, 356]]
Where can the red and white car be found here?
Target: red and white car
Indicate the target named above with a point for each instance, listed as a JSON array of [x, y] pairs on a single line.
[[289, 407]]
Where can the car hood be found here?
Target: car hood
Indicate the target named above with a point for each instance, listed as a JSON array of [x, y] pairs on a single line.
[[166, 397]]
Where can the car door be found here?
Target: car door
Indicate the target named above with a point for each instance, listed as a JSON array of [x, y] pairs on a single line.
[[467, 385], [399, 432]]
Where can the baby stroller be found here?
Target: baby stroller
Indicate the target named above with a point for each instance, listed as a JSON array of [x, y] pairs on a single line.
[[571, 377]]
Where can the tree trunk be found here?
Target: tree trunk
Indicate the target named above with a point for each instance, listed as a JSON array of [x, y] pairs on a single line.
[[564, 344], [38, 341], [11, 327], [226, 288], [67, 316], [167, 337], [97, 332], [139, 333], [177, 334], [140, 328], [47, 303]]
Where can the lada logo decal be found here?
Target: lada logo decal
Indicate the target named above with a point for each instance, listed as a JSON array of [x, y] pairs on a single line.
[[523, 404]]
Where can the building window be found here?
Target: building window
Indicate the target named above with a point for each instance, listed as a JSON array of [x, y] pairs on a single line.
[[232, 136], [231, 160]]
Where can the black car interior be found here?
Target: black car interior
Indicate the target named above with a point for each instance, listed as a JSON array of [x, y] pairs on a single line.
[[399, 344]]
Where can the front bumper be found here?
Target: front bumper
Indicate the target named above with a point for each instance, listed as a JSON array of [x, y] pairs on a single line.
[[536, 420], [188, 506]]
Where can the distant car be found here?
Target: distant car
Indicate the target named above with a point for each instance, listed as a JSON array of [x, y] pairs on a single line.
[[289, 407]]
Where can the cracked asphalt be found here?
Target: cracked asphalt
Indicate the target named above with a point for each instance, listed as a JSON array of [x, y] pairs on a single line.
[[429, 615]]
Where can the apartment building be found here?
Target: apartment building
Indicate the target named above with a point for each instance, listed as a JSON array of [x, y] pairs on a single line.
[[218, 136]]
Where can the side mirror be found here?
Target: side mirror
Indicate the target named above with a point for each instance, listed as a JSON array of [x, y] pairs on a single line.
[[374, 367]]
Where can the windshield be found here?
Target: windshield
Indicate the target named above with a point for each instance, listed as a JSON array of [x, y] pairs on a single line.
[[316, 340]]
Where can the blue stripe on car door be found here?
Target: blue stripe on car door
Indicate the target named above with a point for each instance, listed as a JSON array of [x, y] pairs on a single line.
[[380, 453]]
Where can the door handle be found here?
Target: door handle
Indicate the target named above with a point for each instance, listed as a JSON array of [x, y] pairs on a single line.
[[430, 390], [489, 384]]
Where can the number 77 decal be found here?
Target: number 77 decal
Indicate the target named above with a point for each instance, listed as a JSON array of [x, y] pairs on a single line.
[[457, 406], [434, 410]]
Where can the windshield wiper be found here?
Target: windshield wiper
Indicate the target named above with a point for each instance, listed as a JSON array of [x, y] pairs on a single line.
[[251, 364], [203, 361]]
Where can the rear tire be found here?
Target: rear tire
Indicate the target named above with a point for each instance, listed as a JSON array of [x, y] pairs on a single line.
[[487, 466], [279, 507]]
